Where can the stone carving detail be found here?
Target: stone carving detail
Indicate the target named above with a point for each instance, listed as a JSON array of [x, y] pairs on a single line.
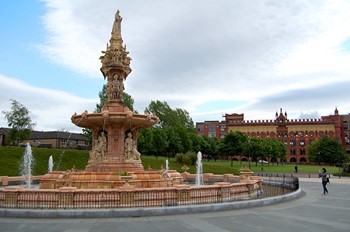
[[117, 87], [116, 55], [100, 148], [130, 147]]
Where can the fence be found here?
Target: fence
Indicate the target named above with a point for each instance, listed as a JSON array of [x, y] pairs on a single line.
[[279, 185], [72, 198]]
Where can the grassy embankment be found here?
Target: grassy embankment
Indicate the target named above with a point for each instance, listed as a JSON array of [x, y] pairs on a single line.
[[10, 159]]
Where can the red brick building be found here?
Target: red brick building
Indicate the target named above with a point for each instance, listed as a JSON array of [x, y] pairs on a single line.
[[297, 134], [51, 139]]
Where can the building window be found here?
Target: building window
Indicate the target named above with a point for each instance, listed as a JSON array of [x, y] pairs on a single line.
[[211, 128], [212, 135], [200, 128]]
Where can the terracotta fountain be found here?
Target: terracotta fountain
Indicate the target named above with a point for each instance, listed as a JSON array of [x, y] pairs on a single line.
[[114, 176], [114, 157]]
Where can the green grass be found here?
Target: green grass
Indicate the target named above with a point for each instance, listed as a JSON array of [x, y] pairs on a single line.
[[224, 166], [10, 159]]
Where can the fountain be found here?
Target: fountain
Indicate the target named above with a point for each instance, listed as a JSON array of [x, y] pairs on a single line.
[[114, 176], [50, 164], [199, 168], [27, 165], [114, 153], [166, 165]]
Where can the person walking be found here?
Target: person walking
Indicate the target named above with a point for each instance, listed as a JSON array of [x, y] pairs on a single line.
[[324, 180]]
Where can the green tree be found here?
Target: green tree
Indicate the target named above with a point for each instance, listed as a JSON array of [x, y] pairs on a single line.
[[185, 138], [199, 143], [326, 150], [160, 142], [255, 147], [210, 147], [174, 141], [19, 121], [145, 141], [169, 117], [103, 99], [232, 144]]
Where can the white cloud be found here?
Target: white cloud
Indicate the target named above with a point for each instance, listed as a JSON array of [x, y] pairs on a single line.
[[50, 109], [191, 52]]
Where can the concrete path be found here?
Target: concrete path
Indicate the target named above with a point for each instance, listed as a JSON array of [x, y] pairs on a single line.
[[313, 212]]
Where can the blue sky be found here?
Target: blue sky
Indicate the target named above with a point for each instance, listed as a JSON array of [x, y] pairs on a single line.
[[207, 58]]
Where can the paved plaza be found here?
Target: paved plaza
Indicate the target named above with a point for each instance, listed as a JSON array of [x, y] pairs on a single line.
[[312, 212]]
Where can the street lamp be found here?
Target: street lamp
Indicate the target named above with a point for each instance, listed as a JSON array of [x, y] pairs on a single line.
[[249, 153]]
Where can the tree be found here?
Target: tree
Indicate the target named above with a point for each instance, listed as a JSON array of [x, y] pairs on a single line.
[[326, 150], [145, 141], [174, 141], [160, 142], [210, 146], [19, 121], [169, 117], [233, 144]]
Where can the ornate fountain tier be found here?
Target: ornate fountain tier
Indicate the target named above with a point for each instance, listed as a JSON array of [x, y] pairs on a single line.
[[114, 137], [107, 118]]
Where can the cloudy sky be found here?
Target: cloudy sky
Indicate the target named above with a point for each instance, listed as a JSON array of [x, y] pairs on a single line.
[[207, 57]]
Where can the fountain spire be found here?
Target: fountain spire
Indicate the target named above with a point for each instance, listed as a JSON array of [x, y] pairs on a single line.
[[116, 40], [115, 63], [114, 130]]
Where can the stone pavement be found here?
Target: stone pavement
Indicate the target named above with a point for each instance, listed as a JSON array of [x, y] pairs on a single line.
[[313, 212]]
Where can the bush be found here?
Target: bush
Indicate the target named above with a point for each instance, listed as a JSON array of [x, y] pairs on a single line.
[[188, 159], [346, 168]]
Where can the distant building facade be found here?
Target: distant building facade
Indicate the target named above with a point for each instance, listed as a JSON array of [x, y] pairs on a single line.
[[297, 134], [51, 139]]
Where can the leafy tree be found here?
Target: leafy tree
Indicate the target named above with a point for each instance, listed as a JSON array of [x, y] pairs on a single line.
[[214, 146], [255, 149], [185, 138], [145, 141], [174, 141], [326, 150], [103, 99], [169, 117], [19, 121], [199, 143], [160, 142], [282, 151], [232, 144]]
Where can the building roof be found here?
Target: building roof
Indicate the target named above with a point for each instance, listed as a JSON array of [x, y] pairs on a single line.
[[56, 135], [49, 134]]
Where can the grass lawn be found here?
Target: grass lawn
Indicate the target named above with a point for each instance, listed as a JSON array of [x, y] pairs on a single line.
[[10, 159], [224, 166]]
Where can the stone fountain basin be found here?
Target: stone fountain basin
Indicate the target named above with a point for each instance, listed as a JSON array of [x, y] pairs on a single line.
[[112, 118]]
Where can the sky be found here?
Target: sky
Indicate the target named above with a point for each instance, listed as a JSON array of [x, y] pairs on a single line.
[[209, 58]]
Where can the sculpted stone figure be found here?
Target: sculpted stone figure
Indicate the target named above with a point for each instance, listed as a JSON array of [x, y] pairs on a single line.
[[117, 87], [131, 152], [100, 149], [128, 146]]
